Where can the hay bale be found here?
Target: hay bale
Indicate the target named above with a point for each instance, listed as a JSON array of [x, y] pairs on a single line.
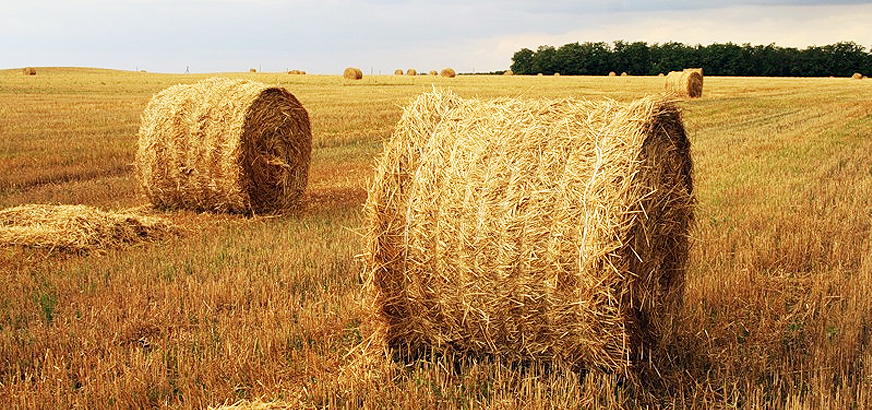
[[252, 70], [433, 72], [661, 75], [29, 71], [411, 71], [686, 83], [448, 72], [226, 146], [531, 230], [398, 72], [352, 73], [77, 227], [508, 72], [612, 74], [623, 74], [857, 76], [557, 74]]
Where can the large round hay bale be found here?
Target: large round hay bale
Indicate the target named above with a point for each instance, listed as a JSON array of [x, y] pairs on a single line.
[[398, 72], [448, 72], [224, 145], [686, 83], [543, 230], [857, 76], [411, 72], [29, 71], [612, 74], [352, 73]]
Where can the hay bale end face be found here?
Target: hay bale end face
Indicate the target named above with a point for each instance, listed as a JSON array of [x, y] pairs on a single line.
[[224, 145], [412, 72], [77, 227], [448, 72], [686, 83], [857, 76], [612, 74], [531, 230], [352, 73], [398, 72]]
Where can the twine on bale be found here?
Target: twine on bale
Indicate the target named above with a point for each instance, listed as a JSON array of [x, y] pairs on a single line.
[[531, 230], [77, 227], [224, 145], [686, 83]]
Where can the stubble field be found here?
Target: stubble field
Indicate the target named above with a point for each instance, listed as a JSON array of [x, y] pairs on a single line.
[[777, 310]]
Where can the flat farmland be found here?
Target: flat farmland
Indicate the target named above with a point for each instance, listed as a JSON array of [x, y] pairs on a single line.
[[777, 309]]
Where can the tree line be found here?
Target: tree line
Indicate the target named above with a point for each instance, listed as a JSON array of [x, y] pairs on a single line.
[[639, 58]]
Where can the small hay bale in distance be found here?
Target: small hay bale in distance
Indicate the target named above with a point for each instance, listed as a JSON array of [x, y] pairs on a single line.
[[531, 230], [623, 74], [29, 71], [433, 72], [686, 83], [508, 72], [398, 72], [448, 72], [77, 227], [352, 73], [612, 74], [857, 76], [411, 71], [252, 70], [224, 145]]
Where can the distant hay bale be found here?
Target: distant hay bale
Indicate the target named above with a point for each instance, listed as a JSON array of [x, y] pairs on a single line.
[[531, 230], [661, 75], [411, 71], [539, 75], [857, 76], [623, 74], [557, 74], [508, 72], [434, 72], [77, 227], [296, 72], [398, 72], [352, 73], [448, 72], [686, 83], [29, 71], [612, 74], [224, 145], [252, 70]]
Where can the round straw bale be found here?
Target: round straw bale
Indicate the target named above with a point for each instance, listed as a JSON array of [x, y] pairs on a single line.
[[398, 72], [508, 72], [77, 227], [531, 230], [686, 83], [29, 71], [623, 74], [857, 76], [557, 74], [411, 71], [661, 75], [252, 70], [448, 72], [434, 72], [352, 73], [226, 146], [612, 74]]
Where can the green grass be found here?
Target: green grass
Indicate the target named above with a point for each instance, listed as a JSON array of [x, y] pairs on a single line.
[[777, 311]]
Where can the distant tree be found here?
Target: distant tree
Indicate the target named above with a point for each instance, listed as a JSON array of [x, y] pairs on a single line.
[[522, 61]]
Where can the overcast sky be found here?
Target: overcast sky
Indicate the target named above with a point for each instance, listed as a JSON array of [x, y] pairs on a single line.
[[379, 36]]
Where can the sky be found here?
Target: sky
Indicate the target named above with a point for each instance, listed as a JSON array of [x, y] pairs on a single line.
[[380, 36]]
